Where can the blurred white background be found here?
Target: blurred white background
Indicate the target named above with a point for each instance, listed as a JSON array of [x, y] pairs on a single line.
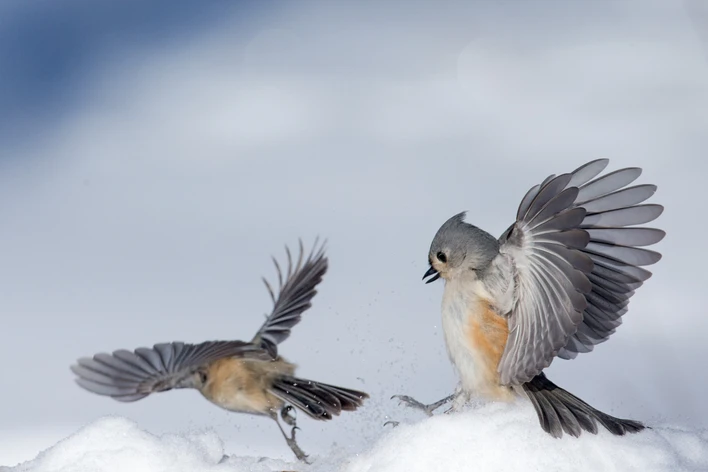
[[153, 159]]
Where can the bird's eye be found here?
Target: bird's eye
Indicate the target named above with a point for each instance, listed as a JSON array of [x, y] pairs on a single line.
[[441, 257], [202, 377]]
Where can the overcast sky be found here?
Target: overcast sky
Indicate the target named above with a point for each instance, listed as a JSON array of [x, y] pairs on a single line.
[[156, 154]]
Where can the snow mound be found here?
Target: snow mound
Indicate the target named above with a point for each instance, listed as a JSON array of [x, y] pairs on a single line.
[[507, 437], [116, 444], [487, 438]]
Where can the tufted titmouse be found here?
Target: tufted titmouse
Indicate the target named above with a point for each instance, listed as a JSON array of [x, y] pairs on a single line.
[[556, 283], [246, 377]]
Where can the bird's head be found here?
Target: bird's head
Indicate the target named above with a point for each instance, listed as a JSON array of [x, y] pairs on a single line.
[[459, 248]]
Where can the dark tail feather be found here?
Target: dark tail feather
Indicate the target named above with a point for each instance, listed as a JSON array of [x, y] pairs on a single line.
[[320, 401], [559, 410]]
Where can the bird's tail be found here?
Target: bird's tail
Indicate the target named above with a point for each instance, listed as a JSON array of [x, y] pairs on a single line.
[[559, 410], [320, 401]]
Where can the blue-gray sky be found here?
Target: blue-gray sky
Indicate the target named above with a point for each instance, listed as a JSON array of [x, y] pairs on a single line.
[[155, 154]]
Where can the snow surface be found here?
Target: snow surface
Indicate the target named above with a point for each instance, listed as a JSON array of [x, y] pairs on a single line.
[[489, 437]]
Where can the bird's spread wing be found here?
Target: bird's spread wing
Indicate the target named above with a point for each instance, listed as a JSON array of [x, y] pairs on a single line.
[[576, 263], [129, 376], [294, 297]]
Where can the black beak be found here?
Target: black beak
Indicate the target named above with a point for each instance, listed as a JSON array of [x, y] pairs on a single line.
[[430, 272]]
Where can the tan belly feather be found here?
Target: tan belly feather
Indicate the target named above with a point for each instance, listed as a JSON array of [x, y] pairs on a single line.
[[487, 333], [241, 385]]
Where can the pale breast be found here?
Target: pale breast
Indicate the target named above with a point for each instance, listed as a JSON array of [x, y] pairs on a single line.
[[475, 337]]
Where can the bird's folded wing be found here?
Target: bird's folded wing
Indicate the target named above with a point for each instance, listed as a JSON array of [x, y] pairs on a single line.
[[294, 297], [129, 376], [575, 263]]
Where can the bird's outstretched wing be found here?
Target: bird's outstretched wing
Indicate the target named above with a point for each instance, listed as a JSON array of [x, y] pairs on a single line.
[[129, 376], [577, 260], [294, 297]]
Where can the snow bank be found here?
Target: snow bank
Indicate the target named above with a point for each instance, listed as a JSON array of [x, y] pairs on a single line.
[[115, 444], [503, 437], [487, 438]]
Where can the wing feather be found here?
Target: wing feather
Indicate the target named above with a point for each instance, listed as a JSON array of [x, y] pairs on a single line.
[[294, 297], [576, 263], [129, 376]]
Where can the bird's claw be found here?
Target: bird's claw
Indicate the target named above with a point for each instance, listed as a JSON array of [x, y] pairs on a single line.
[[413, 403], [292, 433], [392, 422], [290, 420], [301, 456]]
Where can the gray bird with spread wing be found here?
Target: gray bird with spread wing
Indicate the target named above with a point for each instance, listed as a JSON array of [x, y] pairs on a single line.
[[555, 284], [246, 377]]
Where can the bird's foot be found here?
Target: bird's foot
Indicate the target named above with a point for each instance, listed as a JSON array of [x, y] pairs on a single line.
[[392, 423], [301, 456], [427, 409], [413, 403]]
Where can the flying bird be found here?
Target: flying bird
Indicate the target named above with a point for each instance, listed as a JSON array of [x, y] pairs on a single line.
[[555, 284], [246, 377]]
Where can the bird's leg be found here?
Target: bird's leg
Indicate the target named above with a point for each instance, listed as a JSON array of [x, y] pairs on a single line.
[[291, 440], [459, 400], [427, 409], [413, 403]]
